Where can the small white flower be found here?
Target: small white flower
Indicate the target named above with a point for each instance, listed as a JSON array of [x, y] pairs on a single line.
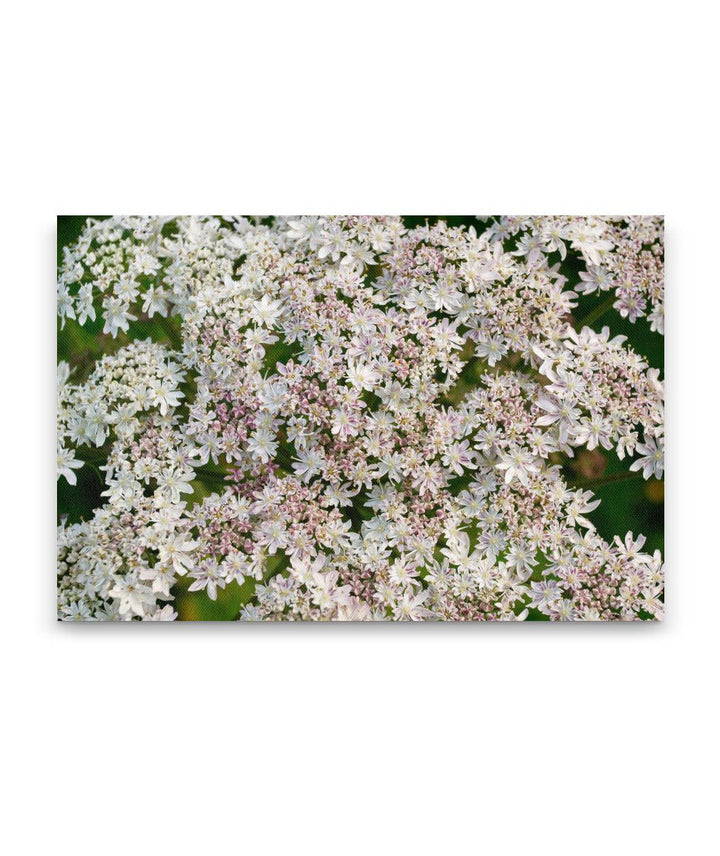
[[265, 311], [66, 463], [652, 460], [362, 376]]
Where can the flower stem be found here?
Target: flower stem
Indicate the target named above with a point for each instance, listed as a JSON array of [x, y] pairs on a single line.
[[597, 312], [209, 474], [171, 331], [625, 475]]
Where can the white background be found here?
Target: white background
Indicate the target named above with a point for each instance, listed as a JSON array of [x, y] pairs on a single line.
[[314, 739]]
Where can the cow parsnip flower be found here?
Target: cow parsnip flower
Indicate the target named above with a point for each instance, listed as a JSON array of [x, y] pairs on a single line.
[[359, 421]]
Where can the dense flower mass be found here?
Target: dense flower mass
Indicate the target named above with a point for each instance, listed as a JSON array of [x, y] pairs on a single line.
[[358, 419]]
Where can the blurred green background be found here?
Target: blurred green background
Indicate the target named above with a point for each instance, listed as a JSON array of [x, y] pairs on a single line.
[[627, 504]]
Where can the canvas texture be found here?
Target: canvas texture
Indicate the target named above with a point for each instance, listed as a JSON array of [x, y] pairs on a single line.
[[360, 418]]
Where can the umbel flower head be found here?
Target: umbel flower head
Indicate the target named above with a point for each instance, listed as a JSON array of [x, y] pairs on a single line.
[[355, 419]]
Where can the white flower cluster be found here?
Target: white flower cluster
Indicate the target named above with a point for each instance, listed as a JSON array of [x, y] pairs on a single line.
[[360, 420]]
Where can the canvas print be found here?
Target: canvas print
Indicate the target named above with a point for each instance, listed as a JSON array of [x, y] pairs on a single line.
[[360, 418]]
